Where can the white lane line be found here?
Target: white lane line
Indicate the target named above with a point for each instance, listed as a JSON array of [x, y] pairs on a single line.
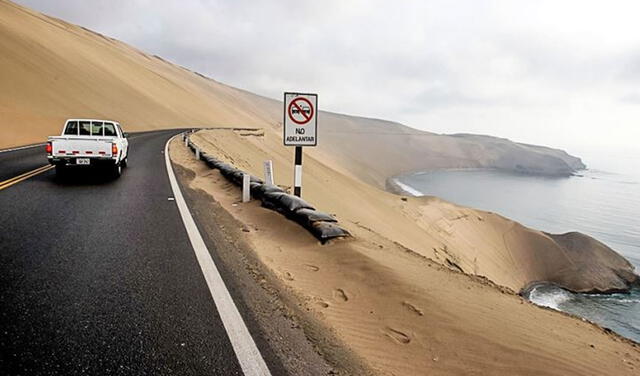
[[21, 147], [247, 352]]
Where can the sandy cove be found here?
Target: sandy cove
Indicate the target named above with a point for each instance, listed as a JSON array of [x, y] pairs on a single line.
[[387, 294]]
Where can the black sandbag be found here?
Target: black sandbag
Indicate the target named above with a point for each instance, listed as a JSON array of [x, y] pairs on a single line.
[[307, 217], [291, 204], [226, 170], [238, 177], [216, 163], [211, 161], [324, 231], [253, 186], [260, 191], [271, 199], [273, 196]]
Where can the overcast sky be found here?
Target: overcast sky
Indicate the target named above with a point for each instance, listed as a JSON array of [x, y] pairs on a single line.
[[560, 73]]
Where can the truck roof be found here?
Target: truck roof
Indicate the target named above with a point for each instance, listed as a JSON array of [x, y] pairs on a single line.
[[102, 120]]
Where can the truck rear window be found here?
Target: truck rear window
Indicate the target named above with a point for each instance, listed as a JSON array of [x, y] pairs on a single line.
[[109, 129], [85, 128], [72, 128], [96, 128]]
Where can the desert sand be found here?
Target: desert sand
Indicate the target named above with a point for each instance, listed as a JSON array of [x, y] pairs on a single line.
[[424, 286], [472, 241], [389, 294]]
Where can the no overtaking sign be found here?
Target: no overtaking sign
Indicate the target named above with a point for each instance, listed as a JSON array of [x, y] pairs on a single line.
[[300, 119]]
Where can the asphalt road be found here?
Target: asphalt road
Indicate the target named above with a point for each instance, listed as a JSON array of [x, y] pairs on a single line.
[[98, 276]]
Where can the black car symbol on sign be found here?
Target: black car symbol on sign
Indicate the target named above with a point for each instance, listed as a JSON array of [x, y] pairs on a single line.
[[304, 108]]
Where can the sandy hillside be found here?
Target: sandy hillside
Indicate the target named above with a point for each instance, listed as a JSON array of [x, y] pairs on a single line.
[[51, 70], [472, 241], [403, 313]]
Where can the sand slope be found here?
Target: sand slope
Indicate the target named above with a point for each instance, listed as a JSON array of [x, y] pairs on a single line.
[[472, 241], [51, 70], [399, 311]]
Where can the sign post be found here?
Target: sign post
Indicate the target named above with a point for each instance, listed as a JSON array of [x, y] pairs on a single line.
[[300, 129]]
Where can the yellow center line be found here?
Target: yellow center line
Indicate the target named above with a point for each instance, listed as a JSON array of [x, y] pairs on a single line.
[[17, 179], [23, 174]]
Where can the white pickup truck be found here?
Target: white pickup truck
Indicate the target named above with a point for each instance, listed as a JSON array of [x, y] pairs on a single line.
[[89, 142]]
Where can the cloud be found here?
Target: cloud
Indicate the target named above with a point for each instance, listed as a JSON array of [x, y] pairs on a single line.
[[539, 72], [631, 98]]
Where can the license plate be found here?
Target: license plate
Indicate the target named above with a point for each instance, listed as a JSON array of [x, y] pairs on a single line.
[[82, 161]]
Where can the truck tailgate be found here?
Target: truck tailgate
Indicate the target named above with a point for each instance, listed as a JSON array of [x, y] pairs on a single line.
[[81, 146]]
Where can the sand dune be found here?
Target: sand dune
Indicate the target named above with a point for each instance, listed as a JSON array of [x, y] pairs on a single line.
[[473, 241], [52, 70]]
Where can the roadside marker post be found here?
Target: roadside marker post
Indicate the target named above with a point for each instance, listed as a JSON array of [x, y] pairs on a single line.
[[246, 188], [268, 172], [300, 129], [198, 153]]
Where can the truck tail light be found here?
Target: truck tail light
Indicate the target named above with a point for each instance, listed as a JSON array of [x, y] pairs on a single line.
[[49, 148], [114, 149]]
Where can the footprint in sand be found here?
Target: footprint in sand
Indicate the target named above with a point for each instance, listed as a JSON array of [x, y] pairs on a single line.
[[288, 276], [312, 268], [397, 335], [340, 295], [413, 308], [322, 304]]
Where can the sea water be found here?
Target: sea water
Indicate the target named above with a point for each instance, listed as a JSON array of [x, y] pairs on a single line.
[[602, 201]]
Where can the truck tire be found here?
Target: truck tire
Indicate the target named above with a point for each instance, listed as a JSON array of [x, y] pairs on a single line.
[[116, 170], [125, 162]]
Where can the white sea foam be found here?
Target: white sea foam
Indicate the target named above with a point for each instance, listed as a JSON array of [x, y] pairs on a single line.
[[549, 297], [410, 190]]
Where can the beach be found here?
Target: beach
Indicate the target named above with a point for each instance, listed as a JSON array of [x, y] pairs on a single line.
[[602, 202]]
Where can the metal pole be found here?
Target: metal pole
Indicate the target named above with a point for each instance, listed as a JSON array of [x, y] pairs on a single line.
[[297, 173]]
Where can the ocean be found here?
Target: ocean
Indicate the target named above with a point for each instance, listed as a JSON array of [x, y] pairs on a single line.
[[602, 201]]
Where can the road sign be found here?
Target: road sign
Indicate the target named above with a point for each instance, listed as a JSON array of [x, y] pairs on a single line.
[[300, 119]]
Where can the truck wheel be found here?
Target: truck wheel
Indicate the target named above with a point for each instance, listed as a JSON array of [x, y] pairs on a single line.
[[116, 170], [125, 162]]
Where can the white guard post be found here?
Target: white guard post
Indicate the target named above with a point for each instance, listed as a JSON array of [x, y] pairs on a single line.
[[268, 172], [246, 188], [198, 153]]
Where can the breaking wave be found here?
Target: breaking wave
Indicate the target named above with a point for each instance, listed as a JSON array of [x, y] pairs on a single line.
[[549, 296]]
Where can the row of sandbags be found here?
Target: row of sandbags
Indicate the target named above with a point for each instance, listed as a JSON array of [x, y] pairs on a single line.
[[323, 226]]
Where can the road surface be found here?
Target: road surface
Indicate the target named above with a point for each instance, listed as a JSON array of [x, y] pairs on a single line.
[[98, 276]]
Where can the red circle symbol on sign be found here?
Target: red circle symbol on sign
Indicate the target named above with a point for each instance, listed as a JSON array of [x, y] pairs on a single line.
[[300, 111]]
